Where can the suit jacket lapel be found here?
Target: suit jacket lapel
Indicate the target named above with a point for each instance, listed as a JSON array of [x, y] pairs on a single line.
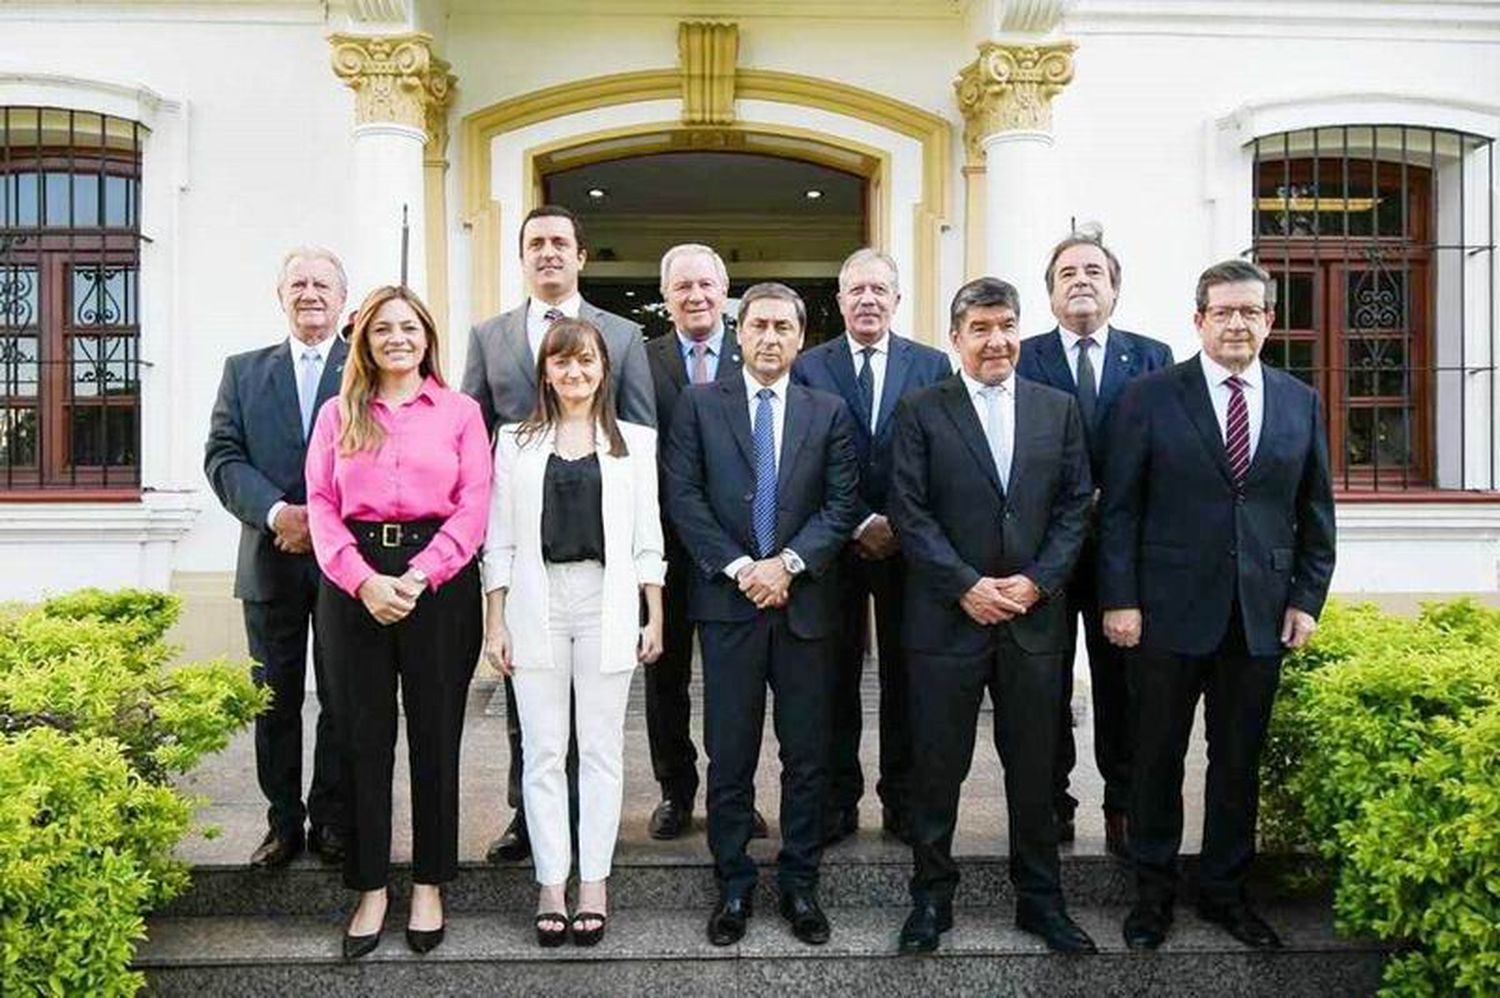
[[737, 415], [1276, 422], [283, 380], [333, 374], [1121, 362], [841, 366], [897, 364], [513, 331], [1192, 390], [1049, 353], [960, 409], [794, 431], [729, 360]]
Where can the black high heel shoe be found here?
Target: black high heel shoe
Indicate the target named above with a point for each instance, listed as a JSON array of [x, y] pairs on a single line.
[[588, 937], [550, 938], [424, 940], [358, 946]]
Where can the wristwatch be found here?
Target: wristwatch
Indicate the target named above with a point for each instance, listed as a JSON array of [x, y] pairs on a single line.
[[792, 562]]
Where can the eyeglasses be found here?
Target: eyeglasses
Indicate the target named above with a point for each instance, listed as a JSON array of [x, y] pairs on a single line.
[[1220, 315]]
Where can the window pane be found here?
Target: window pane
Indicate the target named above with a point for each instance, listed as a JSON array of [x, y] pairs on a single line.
[[105, 365], [104, 296], [1296, 357], [104, 436], [18, 298], [18, 367], [119, 201], [18, 199], [1379, 433], [1376, 299], [1294, 301], [1377, 366], [17, 438]]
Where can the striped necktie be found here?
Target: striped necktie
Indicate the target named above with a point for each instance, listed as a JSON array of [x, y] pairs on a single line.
[[763, 509], [1237, 430]]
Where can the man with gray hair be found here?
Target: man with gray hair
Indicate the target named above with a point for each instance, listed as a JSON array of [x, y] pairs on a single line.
[[871, 368], [257, 444]]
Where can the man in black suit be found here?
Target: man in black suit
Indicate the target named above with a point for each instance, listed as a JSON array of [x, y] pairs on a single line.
[[694, 285], [257, 443], [500, 374], [761, 487], [990, 495], [1092, 361], [872, 369], [1216, 551]]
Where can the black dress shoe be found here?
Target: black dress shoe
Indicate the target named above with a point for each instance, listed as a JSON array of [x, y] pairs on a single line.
[[513, 845], [671, 819], [758, 827], [840, 824], [926, 923], [424, 940], [1147, 924], [1116, 835], [358, 946], [1240, 921], [800, 909], [327, 842], [726, 926], [276, 850], [1058, 931], [893, 822]]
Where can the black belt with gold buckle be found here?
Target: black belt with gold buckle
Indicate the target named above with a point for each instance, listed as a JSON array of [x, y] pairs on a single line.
[[408, 534]]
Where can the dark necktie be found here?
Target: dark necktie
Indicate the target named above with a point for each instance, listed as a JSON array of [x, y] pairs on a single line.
[[867, 383], [700, 363], [1237, 430], [1088, 391], [552, 315], [763, 511]]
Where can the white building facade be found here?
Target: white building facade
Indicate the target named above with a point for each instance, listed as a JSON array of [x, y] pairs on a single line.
[[158, 157]]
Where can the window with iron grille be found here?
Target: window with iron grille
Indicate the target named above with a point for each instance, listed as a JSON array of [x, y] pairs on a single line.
[[1381, 240], [70, 235]]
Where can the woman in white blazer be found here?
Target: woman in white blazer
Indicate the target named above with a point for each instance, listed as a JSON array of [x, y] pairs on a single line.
[[574, 540]]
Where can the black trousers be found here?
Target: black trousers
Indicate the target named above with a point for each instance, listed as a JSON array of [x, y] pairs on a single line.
[[432, 651], [886, 582], [1111, 696], [945, 692], [674, 760], [739, 660], [1238, 690], [277, 635]]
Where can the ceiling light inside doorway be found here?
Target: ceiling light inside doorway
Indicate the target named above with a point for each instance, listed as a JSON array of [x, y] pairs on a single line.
[[596, 193], [814, 194]]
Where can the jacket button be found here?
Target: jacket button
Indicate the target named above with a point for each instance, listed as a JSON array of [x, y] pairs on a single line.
[[1233, 553], [749, 496]]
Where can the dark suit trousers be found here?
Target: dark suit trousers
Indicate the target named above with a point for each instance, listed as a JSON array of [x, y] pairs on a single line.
[[669, 709], [277, 636], [739, 659], [1111, 697], [945, 694], [1238, 690], [885, 581], [432, 652]]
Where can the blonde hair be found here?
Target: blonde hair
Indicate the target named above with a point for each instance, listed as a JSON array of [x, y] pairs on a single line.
[[359, 430]]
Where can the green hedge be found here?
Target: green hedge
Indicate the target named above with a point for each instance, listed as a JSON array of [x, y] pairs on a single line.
[[1384, 757], [93, 725]]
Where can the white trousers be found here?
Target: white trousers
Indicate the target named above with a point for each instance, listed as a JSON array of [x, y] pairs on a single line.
[[575, 611]]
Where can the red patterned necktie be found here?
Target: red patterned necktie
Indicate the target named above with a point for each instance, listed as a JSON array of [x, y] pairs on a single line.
[[1237, 430]]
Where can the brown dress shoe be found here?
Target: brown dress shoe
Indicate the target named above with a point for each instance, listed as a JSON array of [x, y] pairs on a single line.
[[276, 850]]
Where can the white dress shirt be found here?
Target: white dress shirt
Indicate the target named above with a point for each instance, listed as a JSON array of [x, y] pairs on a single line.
[[715, 344], [1218, 393], [536, 318], [877, 368], [1007, 396], [297, 348], [778, 420], [1070, 341]]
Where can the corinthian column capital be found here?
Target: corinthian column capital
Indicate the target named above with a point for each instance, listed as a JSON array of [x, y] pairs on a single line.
[[395, 78], [1010, 88]]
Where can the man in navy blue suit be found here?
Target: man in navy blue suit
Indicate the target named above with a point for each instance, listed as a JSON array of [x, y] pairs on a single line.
[[761, 488], [872, 369], [1092, 361], [1216, 551]]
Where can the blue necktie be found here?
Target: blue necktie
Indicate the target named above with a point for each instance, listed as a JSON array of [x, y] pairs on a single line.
[[763, 512], [307, 388]]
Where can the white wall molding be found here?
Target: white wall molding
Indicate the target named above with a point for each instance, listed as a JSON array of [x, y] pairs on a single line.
[[1432, 547], [159, 516], [173, 11], [1474, 21]]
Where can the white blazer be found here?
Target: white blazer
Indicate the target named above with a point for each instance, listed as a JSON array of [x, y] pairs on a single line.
[[633, 547]]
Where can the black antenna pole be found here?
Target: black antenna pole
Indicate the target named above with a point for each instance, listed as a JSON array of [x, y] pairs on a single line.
[[405, 242]]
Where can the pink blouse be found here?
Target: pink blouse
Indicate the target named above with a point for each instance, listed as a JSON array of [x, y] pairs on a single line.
[[434, 464]]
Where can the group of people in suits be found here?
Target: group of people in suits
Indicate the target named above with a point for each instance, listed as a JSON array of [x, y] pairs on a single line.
[[588, 502]]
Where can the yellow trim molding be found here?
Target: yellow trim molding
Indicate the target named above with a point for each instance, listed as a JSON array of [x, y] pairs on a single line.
[[707, 53], [1010, 88], [395, 78]]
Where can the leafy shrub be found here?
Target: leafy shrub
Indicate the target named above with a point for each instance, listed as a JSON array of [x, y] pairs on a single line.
[[1385, 757], [93, 723]]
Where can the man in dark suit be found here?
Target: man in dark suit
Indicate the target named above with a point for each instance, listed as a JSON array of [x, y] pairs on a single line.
[[1092, 361], [500, 373], [1216, 551], [990, 494], [694, 285], [872, 369], [761, 487], [257, 443]]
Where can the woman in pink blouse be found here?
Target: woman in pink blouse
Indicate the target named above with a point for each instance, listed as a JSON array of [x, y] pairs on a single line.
[[398, 482]]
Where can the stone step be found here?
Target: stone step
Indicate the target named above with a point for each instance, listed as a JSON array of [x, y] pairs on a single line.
[[866, 872], [665, 953]]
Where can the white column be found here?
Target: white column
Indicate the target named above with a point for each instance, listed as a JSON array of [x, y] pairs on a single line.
[[1021, 209], [388, 174]]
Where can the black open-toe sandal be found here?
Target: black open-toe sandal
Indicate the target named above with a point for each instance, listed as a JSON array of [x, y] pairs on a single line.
[[588, 937], [549, 937]]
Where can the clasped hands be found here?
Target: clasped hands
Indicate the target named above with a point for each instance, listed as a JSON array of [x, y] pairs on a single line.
[[292, 534], [389, 598], [994, 601], [766, 583]]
